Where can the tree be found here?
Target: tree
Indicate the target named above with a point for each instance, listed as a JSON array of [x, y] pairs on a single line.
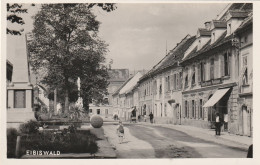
[[13, 15], [66, 44]]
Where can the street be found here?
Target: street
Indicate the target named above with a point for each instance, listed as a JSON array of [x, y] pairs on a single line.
[[148, 141]]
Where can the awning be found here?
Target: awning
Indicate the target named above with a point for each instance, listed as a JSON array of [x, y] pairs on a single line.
[[130, 110], [216, 97]]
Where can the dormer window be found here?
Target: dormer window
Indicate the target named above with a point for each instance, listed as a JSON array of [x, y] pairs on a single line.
[[229, 28]]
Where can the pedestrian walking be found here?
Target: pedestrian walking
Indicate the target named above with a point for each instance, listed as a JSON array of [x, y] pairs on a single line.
[[120, 132], [218, 124], [151, 117]]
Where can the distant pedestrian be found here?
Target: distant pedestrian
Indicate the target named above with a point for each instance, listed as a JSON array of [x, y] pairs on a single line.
[[151, 117], [120, 132], [218, 124]]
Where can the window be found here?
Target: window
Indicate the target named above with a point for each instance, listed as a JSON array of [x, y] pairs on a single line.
[[245, 71], [245, 40], [90, 110], [165, 109], [174, 82], [177, 81], [186, 81], [168, 83], [200, 110], [160, 89], [98, 111], [226, 64], [186, 109], [193, 108], [19, 99], [180, 84], [193, 76], [212, 68]]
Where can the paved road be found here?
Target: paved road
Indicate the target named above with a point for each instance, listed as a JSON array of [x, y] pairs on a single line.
[[160, 142]]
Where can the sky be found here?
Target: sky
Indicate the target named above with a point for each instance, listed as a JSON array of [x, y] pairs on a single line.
[[139, 34]]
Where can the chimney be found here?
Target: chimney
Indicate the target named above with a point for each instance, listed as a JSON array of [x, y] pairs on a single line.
[[207, 25]]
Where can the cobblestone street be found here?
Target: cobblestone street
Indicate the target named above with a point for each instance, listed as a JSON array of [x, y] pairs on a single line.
[[151, 141]]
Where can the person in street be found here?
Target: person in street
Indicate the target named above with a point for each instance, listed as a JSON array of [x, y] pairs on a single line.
[[120, 132], [151, 117], [218, 124]]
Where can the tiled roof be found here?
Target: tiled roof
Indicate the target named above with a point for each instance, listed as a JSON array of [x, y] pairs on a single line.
[[248, 21], [118, 90], [172, 57], [204, 32], [219, 24], [208, 47], [238, 13]]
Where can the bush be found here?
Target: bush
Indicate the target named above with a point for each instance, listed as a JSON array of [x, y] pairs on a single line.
[[12, 134], [78, 142], [29, 127]]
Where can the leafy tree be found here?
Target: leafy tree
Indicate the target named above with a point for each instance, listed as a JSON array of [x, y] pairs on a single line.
[[13, 15], [65, 43]]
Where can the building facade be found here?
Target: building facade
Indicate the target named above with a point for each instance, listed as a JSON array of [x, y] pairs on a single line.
[[211, 76], [245, 84]]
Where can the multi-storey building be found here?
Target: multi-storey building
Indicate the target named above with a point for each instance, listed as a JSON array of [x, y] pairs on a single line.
[[211, 74], [125, 98], [245, 82], [160, 88]]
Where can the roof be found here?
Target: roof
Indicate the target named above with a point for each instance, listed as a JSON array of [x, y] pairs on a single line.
[[236, 6], [238, 13], [219, 24], [204, 32], [245, 24], [241, 6], [117, 91], [173, 57], [208, 47], [130, 84]]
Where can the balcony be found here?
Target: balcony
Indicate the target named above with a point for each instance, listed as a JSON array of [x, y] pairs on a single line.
[[211, 82]]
